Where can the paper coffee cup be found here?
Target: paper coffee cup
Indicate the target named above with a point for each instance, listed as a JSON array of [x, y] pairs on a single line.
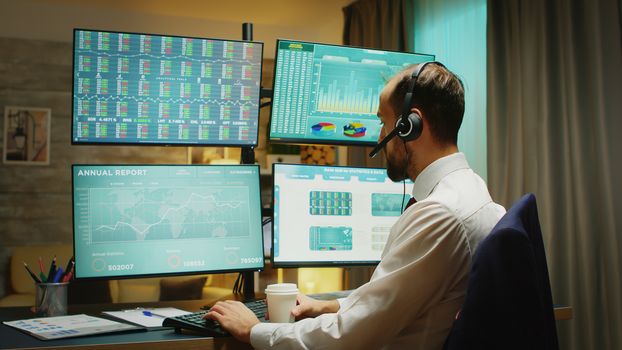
[[281, 300]]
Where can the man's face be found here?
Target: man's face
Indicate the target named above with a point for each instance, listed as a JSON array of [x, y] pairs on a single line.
[[394, 151]]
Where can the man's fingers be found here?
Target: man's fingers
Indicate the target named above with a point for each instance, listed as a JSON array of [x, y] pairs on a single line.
[[302, 311], [221, 306], [297, 310], [213, 315], [218, 308]]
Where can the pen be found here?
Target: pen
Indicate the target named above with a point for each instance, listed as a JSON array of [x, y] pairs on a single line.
[[59, 272], [151, 314], [52, 271], [34, 277], [41, 274], [68, 273]]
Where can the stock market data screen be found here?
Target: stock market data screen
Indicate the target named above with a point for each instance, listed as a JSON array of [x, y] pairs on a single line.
[[167, 90]]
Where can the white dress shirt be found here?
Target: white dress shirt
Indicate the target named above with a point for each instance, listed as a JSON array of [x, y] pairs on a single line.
[[419, 285]]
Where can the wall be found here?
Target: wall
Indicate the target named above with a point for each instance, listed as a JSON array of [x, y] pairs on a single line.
[[35, 70], [35, 201], [55, 20]]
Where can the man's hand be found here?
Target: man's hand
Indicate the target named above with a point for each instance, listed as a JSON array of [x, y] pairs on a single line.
[[309, 307], [235, 318]]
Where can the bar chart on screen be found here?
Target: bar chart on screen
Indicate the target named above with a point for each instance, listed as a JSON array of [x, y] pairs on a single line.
[[330, 93]]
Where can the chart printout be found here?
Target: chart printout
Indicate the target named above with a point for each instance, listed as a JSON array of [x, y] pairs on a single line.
[[153, 89]]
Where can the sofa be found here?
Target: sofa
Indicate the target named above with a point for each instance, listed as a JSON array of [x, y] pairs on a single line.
[[22, 288]]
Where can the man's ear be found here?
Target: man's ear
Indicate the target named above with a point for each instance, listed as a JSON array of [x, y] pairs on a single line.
[[418, 112]]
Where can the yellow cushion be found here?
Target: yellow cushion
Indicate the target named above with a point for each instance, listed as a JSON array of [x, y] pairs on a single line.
[[138, 290], [18, 300], [144, 289], [214, 293], [21, 282]]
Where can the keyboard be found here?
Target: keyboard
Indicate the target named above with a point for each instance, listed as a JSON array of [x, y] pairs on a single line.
[[195, 322]]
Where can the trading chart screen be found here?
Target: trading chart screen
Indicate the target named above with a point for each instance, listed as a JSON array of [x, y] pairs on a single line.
[[333, 216], [153, 89], [140, 220], [329, 94]]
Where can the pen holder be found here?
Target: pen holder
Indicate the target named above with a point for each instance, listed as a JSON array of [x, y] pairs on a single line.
[[51, 299]]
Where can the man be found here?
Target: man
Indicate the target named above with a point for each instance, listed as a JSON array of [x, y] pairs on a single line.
[[419, 285]]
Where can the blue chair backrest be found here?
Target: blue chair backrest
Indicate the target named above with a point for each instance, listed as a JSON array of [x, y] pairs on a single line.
[[508, 304]]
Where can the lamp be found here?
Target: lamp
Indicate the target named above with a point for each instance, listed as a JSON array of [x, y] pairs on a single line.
[[20, 138], [22, 117]]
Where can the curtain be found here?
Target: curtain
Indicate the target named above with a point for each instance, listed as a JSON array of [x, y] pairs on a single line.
[[455, 31], [377, 24], [554, 115]]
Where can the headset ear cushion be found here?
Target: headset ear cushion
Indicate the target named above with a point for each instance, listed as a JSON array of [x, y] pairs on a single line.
[[413, 126], [417, 125]]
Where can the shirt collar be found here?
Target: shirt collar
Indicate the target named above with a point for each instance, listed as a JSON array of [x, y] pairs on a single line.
[[435, 172]]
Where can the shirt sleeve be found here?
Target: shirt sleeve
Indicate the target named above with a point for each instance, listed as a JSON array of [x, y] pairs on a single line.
[[427, 247], [340, 301]]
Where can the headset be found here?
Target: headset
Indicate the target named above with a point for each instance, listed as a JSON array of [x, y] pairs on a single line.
[[409, 125]]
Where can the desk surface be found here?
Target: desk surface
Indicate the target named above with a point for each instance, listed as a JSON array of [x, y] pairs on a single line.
[[11, 338], [160, 339]]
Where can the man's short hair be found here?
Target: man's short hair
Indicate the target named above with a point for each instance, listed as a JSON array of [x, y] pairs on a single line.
[[439, 94]]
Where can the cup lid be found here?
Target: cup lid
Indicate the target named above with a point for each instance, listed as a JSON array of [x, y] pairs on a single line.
[[282, 288]]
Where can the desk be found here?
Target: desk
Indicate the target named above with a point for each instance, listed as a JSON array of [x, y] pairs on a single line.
[[164, 339], [563, 313]]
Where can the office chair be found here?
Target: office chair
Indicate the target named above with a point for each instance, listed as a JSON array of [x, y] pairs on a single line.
[[508, 304]]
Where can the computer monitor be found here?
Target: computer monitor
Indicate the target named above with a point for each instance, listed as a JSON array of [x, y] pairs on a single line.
[[328, 94], [148, 89], [333, 216], [157, 220]]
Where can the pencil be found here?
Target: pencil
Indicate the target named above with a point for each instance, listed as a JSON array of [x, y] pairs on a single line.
[[52, 271], [41, 269], [34, 277]]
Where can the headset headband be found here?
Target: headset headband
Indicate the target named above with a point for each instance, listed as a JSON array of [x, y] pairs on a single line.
[[410, 92]]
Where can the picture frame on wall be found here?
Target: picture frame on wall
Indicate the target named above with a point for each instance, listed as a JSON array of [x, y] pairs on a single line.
[[26, 135]]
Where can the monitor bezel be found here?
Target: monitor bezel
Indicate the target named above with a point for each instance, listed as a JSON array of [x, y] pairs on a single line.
[[172, 274], [305, 141], [160, 144], [295, 264]]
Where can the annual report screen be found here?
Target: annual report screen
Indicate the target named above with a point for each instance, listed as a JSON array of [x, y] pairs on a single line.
[[327, 215], [132, 220]]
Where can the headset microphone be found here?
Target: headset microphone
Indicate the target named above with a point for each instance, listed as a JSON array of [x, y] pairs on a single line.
[[383, 143], [400, 129]]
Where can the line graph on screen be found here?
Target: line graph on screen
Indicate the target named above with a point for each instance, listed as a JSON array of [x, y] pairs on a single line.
[[165, 213]]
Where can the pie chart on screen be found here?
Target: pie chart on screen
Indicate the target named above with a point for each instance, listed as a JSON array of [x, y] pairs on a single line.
[[355, 129], [323, 129]]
